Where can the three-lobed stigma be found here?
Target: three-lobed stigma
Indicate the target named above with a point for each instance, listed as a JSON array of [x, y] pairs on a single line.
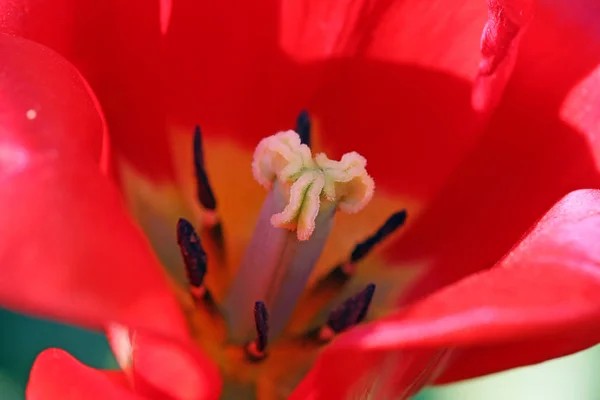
[[310, 184]]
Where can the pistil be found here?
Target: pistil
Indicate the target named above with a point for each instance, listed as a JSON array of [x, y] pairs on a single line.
[[293, 226]]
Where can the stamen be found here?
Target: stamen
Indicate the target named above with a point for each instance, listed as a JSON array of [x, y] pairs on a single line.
[[337, 277], [256, 349], [194, 256], [303, 198], [303, 127], [341, 273], [195, 261], [351, 312], [395, 221], [206, 195]]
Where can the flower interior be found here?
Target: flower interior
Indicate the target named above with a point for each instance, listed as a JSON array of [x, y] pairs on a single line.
[[257, 328]]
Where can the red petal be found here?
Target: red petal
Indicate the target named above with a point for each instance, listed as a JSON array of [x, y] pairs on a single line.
[[116, 46], [383, 375], [542, 143], [165, 369], [370, 72], [545, 292], [69, 249], [56, 375]]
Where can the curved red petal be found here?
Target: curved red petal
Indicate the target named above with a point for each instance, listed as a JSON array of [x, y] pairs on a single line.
[[56, 375], [545, 291], [506, 317], [398, 90], [69, 249], [541, 143], [164, 369], [381, 375], [116, 46], [369, 72]]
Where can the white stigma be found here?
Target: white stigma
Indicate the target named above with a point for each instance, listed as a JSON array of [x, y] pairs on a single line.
[[310, 184]]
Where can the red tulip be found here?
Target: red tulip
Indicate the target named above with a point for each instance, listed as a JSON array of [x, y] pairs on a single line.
[[476, 147]]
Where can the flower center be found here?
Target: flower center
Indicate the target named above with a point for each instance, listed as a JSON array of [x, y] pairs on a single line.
[[304, 195]]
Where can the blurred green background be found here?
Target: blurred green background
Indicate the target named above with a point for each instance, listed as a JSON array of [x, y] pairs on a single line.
[[22, 338], [576, 377]]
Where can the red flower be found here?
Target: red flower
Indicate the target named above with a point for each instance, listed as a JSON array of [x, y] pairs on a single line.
[[475, 151]]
